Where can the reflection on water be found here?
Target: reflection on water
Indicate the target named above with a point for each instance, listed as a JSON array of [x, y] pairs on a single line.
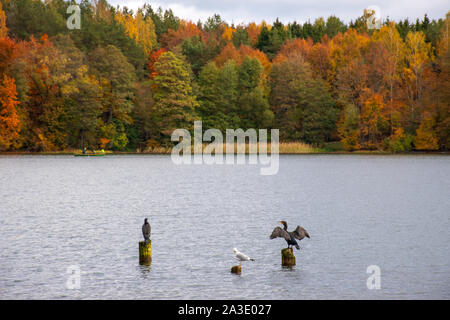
[[62, 211], [144, 271]]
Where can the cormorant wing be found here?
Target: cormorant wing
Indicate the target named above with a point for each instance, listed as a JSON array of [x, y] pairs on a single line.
[[300, 233], [278, 232]]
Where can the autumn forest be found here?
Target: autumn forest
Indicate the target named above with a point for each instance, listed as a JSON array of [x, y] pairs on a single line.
[[125, 80]]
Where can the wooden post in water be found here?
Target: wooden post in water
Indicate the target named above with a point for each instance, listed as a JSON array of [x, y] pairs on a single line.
[[287, 257], [145, 253], [236, 269]]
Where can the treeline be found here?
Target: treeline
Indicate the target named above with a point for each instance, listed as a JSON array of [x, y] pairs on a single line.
[[125, 80]]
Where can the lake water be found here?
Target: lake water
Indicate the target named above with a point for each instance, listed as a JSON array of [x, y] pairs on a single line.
[[58, 212]]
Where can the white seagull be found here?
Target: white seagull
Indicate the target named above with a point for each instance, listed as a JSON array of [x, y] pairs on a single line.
[[241, 257]]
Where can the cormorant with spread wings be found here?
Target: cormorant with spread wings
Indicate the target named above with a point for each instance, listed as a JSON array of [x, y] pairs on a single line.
[[299, 233]]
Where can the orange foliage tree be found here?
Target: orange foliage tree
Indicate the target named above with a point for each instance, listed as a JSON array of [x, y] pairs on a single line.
[[390, 38], [172, 38], [3, 29], [44, 68], [294, 48], [253, 31], [7, 53], [245, 50], [151, 62], [319, 57], [229, 52], [348, 70], [9, 118], [373, 120]]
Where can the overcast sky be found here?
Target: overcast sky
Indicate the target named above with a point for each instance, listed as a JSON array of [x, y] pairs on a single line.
[[238, 11]]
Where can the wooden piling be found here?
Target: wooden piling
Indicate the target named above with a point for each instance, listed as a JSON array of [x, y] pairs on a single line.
[[145, 253], [287, 257], [236, 269]]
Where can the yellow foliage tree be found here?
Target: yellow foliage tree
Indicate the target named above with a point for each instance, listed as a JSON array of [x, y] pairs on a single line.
[[417, 54], [426, 137], [140, 29], [443, 44], [348, 128], [228, 33]]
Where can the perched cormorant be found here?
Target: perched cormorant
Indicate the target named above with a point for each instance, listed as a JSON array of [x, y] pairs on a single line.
[[241, 257], [290, 237], [146, 231]]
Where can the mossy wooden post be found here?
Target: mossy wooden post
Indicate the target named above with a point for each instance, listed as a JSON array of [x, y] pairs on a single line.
[[145, 253], [287, 257], [236, 269]]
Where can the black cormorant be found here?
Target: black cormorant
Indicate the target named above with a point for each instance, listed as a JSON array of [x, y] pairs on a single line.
[[146, 231], [299, 233]]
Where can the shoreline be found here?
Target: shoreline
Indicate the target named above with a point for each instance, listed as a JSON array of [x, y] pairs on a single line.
[[111, 153]]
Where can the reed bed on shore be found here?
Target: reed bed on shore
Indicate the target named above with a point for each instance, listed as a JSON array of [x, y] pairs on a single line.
[[283, 148]]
